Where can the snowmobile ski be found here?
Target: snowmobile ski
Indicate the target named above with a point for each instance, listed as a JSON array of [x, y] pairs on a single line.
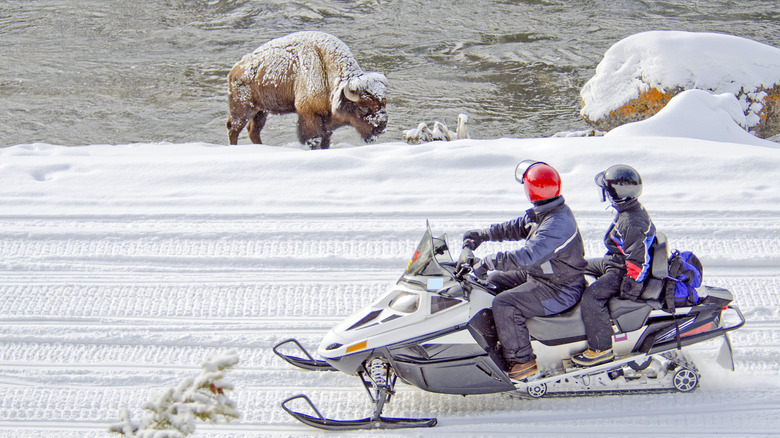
[[374, 422]]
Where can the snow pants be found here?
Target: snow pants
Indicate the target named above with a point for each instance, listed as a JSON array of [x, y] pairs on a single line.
[[595, 312], [522, 298]]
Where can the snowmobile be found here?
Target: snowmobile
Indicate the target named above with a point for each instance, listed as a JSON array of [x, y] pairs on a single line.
[[434, 329]]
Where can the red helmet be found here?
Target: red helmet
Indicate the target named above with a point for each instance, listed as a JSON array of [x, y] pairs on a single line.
[[539, 180]]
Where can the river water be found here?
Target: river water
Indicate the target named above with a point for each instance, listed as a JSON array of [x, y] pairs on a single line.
[[77, 72]]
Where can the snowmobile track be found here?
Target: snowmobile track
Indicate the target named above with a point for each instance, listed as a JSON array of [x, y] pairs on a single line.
[[98, 313]]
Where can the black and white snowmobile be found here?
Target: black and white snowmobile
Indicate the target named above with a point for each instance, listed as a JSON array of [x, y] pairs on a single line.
[[434, 329]]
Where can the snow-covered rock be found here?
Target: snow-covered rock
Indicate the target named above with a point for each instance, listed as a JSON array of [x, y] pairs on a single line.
[[640, 74]]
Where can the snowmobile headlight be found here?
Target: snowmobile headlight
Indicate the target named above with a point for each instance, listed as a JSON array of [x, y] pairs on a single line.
[[405, 302]]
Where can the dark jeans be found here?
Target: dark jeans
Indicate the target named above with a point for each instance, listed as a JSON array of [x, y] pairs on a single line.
[[522, 298], [595, 313]]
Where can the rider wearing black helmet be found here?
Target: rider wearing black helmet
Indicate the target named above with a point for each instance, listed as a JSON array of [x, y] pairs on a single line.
[[623, 270]]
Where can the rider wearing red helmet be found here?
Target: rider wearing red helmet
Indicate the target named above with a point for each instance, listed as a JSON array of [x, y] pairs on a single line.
[[543, 277]]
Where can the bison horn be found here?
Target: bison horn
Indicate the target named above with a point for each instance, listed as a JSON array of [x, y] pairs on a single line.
[[350, 92]]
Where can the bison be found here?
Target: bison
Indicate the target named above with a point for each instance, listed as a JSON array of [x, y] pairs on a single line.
[[314, 75]]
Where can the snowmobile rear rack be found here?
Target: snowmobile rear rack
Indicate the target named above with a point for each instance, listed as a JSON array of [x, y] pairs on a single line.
[[374, 422], [699, 337], [308, 363]]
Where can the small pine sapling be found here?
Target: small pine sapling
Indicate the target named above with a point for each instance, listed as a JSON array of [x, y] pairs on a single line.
[[172, 414]]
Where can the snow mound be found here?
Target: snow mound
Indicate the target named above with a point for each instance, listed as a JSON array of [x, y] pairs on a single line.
[[696, 114], [668, 60]]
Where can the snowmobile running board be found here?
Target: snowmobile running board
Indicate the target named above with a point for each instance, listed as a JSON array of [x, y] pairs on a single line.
[[308, 363], [377, 422], [725, 357], [580, 371]]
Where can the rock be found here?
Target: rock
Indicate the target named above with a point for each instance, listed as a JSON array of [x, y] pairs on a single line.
[[642, 73], [769, 115]]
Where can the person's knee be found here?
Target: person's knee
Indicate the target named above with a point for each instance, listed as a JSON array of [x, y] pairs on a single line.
[[502, 300], [602, 290]]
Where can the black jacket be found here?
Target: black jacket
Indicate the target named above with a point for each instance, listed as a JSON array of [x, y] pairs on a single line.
[[553, 251], [629, 239]]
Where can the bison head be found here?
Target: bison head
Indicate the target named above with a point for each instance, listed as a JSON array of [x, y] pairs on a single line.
[[362, 104]]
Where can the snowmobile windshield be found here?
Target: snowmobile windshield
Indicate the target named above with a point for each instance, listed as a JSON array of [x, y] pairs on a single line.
[[428, 258]]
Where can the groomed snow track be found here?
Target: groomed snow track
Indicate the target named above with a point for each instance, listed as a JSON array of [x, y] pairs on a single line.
[[98, 313]]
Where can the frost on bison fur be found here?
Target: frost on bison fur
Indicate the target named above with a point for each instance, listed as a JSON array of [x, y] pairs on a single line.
[[314, 75]]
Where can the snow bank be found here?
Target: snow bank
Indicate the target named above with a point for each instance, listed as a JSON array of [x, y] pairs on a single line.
[[458, 176], [696, 114], [667, 60]]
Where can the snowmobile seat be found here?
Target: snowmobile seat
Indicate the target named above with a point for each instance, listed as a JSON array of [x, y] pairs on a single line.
[[560, 328], [629, 315]]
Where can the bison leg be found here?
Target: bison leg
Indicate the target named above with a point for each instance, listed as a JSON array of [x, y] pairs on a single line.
[[256, 125], [241, 111], [234, 127], [312, 131], [325, 144]]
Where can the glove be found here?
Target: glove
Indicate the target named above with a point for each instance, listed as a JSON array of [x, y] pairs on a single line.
[[630, 289], [474, 238], [482, 267]]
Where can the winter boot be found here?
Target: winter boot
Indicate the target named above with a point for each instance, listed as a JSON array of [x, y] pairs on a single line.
[[519, 371], [589, 358]]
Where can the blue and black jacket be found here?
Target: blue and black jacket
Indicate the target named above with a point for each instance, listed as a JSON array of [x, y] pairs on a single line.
[[553, 252], [629, 240]]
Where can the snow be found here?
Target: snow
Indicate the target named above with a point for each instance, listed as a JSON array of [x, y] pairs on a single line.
[[669, 59], [696, 114], [372, 83], [123, 266]]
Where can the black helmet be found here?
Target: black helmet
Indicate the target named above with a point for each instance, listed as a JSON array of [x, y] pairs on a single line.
[[620, 183]]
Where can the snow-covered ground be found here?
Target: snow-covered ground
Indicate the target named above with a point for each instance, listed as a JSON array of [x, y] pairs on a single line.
[[122, 267]]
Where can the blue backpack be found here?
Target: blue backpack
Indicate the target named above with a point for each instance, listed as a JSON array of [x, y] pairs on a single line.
[[685, 275]]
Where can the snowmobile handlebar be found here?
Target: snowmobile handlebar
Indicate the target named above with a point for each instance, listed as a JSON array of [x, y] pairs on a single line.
[[465, 262], [464, 266]]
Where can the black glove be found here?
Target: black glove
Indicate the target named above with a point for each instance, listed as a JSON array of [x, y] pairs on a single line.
[[630, 289], [482, 267], [474, 238]]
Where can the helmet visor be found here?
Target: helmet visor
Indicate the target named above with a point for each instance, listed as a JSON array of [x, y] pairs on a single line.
[[601, 181], [522, 169]]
